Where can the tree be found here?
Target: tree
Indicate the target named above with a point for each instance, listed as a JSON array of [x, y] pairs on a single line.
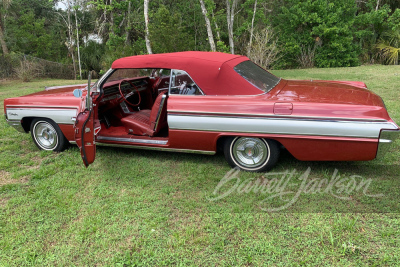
[[4, 6], [252, 28], [208, 25], [264, 50], [230, 16], [323, 25], [70, 43], [169, 32], [146, 20]]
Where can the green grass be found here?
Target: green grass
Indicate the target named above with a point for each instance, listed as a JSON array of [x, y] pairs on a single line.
[[147, 208]]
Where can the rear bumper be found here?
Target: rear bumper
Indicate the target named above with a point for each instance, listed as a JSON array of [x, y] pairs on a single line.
[[386, 140]]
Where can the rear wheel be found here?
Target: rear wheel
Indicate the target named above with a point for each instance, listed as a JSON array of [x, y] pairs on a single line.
[[47, 135], [251, 154]]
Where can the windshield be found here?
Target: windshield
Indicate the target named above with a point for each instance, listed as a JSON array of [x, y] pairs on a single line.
[[257, 76]]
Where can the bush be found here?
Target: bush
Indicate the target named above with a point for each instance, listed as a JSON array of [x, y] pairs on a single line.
[[317, 32], [28, 70]]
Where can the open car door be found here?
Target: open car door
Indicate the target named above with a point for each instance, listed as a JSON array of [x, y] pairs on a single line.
[[84, 136], [85, 132]]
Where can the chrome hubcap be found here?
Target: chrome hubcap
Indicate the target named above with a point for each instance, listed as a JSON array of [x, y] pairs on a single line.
[[250, 152], [45, 135]]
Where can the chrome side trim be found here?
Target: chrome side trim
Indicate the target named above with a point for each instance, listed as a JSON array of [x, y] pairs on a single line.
[[160, 148], [72, 142], [386, 140], [48, 88], [355, 129], [17, 125], [132, 140], [164, 97], [248, 115], [61, 115], [42, 107]]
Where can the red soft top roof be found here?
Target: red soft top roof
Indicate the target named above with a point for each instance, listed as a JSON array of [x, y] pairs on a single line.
[[212, 71]]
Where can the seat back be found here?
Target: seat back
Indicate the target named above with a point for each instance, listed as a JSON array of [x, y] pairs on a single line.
[[158, 113]]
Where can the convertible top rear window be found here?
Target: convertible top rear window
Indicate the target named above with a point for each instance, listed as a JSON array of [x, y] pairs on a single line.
[[257, 76]]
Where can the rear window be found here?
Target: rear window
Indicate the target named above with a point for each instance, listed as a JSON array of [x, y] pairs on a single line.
[[257, 76]]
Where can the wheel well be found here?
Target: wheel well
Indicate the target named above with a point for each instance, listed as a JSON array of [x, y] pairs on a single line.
[[222, 139], [26, 123]]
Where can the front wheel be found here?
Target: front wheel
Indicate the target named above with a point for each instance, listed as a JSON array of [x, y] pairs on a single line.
[[47, 135], [251, 154]]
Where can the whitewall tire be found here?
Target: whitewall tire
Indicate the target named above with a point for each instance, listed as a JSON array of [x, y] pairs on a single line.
[[251, 154]]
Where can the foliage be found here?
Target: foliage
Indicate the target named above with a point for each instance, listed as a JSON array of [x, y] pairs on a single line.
[[303, 24], [31, 30], [322, 33], [389, 47], [168, 32], [371, 25], [92, 54]]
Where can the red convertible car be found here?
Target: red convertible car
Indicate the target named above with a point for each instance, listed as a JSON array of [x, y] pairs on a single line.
[[203, 101]]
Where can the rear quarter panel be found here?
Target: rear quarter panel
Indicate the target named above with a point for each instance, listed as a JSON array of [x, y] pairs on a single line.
[[314, 131]]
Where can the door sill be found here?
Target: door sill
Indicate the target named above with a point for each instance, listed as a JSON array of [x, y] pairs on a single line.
[[132, 140]]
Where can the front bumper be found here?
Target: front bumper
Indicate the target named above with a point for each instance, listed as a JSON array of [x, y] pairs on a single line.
[[16, 124], [386, 140]]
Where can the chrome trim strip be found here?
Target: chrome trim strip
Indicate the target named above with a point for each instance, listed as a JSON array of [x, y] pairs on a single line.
[[386, 139], [100, 81], [132, 140], [16, 124], [164, 97], [62, 116], [235, 115], [62, 86], [72, 142], [279, 126], [42, 107], [160, 148]]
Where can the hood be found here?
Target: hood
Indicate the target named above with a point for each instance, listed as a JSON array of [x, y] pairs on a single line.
[[340, 92]]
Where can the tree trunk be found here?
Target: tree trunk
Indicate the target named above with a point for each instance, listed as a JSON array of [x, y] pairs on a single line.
[[377, 4], [112, 18], [128, 23], [146, 20], [77, 42], [2, 40], [216, 28], [252, 29], [70, 35], [208, 24], [230, 16]]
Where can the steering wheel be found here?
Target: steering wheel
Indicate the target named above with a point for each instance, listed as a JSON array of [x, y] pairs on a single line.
[[124, 97]]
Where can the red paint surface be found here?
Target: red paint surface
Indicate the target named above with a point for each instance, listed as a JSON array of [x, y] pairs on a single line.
[[68, 131], [307, 148]]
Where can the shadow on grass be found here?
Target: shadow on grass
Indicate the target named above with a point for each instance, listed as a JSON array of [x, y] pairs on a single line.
[[187, 182]]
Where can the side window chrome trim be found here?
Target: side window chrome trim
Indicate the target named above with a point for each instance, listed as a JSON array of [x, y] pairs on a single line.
[[103, 79]]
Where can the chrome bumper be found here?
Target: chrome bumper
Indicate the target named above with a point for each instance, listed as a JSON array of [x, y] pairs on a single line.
[[386, 140], [16, 124]]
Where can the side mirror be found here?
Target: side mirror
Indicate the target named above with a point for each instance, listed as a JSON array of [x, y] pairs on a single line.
[[77, 93]]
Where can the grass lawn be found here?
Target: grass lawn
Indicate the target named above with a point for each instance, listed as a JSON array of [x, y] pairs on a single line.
[[148, 208]]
